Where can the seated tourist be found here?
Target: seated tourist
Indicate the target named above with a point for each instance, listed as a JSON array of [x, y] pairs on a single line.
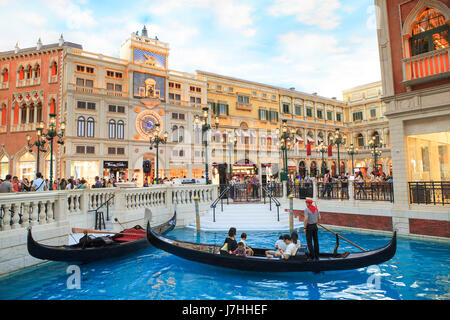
[[240, 251], [291, 248], [279, 245], [230, 243], [295, 239], [248, 250]]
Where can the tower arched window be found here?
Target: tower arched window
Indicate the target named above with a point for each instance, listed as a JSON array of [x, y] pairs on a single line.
[[429, 32], [181, 134], [175, 133], [39, 112], [54, 69], [23, 111], [31, 113], [21, 73], [81, 125], [112, 129], [120, 129], [3, 111], [90, 127]]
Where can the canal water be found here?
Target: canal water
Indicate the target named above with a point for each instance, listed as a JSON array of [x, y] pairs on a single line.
[[419, 270]]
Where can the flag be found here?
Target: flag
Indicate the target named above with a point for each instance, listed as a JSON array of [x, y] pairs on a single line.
[[330, 150], [308, 149]]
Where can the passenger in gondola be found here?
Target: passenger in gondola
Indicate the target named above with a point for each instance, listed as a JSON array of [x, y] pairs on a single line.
[[248, 250], [240, 251], [230, 243], [310, 221], [279, 244], [295, 239], [291, 249]]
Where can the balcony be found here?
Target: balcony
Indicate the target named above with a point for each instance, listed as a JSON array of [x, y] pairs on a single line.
[[244, 106], [430, 66]]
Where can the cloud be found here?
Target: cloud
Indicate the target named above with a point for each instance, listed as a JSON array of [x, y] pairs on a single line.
[[320, 13], [69, 11]]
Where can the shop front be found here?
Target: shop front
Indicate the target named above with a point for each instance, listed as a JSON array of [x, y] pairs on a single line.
[[26, 166], [85, 170], [117, 170], [4, 167], [269, 171], [219, 173], [244, 169]]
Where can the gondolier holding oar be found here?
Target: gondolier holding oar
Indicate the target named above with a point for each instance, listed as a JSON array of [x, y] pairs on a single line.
[[310, 221]]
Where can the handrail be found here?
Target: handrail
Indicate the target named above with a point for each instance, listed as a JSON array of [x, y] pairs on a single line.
[[107, 207], [214, 204], [272, 198]]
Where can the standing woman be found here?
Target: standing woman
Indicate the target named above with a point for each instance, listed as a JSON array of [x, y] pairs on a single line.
[[230, 243], [26, 185], [311, 219]]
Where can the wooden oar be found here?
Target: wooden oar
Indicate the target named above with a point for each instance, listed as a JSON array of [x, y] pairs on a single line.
[[341, 237], [80, 230]]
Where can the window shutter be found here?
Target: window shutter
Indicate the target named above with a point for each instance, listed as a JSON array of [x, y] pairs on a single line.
[[228, 110]]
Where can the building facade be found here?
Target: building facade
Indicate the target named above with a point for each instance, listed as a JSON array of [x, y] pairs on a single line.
[[30, 90], [414, 55]]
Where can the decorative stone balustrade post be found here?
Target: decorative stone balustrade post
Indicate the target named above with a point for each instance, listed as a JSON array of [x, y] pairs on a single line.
[[15, 216], [6, 221], [351, 190], [61, 207], [315, 190]]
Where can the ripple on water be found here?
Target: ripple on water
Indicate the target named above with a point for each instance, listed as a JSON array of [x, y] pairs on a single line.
[[420, 271]]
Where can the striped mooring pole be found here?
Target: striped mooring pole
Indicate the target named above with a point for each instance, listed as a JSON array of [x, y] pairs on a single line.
[[291, 213], [197, 215]]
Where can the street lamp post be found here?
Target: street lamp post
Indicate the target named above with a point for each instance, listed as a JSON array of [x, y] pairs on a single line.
[[286, 136], [231, 142], [39, 143], [205, 127], [376, 152], [323, 149], [155, 141], [352, 151], [50, 135], [338, 140]]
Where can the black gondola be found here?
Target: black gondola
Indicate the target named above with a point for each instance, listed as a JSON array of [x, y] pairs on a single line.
[[209, 254], [97, 248]]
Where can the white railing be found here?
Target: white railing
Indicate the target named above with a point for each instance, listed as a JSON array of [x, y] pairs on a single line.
[[20, 210]]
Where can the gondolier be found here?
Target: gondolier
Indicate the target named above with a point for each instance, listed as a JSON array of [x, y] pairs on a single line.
[[311, 219]]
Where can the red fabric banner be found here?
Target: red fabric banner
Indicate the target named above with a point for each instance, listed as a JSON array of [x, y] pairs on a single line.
[[330, 150], [308, 149]]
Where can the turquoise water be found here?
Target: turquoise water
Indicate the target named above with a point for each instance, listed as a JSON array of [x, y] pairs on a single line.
[[420, 271]]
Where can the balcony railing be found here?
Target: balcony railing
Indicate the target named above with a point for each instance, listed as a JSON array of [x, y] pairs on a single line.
[[426, 67], [243, 106], [429, 192], [333, 190]]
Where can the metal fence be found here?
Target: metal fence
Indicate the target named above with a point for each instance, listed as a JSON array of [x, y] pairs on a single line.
[[333, 190], [251, 192], [430, 192], [374, 191], [301, 191]]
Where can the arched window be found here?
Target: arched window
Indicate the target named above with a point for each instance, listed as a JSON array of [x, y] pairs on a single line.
[[39, 112], [120, 129], [377, 137], [29, 72], [23, 112], [81, 124], [54, 69], [3, 115], [175, 134], [429, 32], [37, 71], [52, 106], [360, 140], [181, 134], [90, 127], [31, 113], [4, 167], [5, 75], [21, 73], [112, 129]]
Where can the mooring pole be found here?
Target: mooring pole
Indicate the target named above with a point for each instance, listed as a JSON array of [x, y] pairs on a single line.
[[197, 214], [291, 213]]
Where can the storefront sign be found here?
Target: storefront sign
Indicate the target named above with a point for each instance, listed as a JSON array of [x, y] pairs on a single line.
[[115, 164]]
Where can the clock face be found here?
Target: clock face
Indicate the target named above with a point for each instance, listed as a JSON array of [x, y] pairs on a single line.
[[146, 124]]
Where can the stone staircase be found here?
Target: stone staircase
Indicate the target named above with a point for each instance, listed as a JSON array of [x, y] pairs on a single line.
[[247, 217]]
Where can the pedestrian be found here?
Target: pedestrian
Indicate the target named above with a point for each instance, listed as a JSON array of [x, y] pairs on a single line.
[[26, 185], [311, 219], [98, 183], [7, 185], [39, 184]]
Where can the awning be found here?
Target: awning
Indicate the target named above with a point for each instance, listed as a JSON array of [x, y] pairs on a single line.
[[319, 139], [298, 138], [310, 139]]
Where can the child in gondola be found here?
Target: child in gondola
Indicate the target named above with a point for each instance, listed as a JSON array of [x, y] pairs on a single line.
[[240, 251], [248, 250]]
